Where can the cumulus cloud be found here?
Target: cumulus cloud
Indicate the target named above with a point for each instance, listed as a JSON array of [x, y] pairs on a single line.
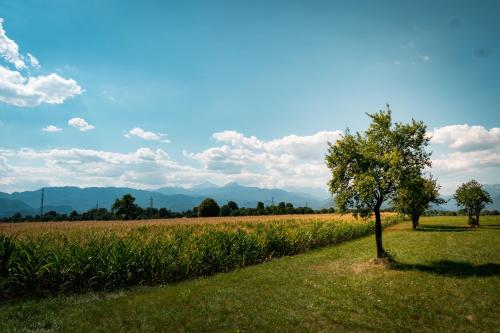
[[23, 90], [15, 89], [145, 135], [51, 128], [289, 160], [9, 50], [286, 162], [466, 137], [474, 151], [80, 123]]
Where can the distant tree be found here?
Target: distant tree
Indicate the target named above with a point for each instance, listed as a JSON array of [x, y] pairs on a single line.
[[164, 212], [415, 197], [232, 205], [208, 207], [367, 168], [225, 210], [472, 197], [260, 205], [125, 208]]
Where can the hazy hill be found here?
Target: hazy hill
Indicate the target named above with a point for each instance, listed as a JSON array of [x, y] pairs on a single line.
[[66, 199], [247, 196]]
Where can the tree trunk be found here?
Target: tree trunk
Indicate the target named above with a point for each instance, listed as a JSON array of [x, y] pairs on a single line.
[[414, 220], [478, 212], [378, 234]]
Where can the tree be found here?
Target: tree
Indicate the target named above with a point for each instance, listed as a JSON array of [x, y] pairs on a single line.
[[232, 205], [415, 197], [260, 205], [125, 208], [367, 168], [225, 210], [473, 198], [208, 207]]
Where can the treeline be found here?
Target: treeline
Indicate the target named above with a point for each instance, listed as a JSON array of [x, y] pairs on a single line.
[[125, 208]]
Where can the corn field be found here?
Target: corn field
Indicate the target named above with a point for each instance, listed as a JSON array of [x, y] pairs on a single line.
[[38, 259]]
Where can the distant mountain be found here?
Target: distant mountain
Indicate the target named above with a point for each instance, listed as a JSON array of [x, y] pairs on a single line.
[[9, 207], [246, 196], [492, 189], [66, 199]]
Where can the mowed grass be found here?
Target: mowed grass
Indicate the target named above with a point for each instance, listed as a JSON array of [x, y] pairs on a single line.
[[446, 278]]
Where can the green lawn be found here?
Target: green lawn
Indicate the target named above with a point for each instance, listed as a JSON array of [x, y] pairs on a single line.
[[447, 278]]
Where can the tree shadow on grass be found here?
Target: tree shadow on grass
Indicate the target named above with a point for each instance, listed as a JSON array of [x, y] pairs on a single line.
[[443, 228], [490, 226], [451, 268]]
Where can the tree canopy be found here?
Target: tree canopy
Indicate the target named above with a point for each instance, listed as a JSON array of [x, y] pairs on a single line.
[[415, 196], [208, 207], [125, 208], [367, 168], [473, 198]]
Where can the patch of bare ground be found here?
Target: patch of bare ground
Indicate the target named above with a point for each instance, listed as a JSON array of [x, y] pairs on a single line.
[[355, 268]]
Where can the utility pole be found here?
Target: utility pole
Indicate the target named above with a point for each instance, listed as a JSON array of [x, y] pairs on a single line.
[[41, 202], [97, 205], [272, 201], [151, 202]]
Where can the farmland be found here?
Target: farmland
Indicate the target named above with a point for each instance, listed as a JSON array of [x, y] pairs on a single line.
[[45, 258], [447, 278]]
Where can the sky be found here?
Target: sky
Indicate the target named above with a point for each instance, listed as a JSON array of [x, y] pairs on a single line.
[[148, 94]]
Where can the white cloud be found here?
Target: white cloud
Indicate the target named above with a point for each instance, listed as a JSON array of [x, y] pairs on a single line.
[[424, 58], [466, 137], [145, 135], [20, 91], [470, 161], [286, 162], [9, 50], [397, 62], [33, 61], [51, 128], [80, 123], [475, 153], [23, 90]]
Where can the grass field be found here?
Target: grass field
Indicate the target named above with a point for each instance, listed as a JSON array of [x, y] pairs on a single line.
[[447, 278]]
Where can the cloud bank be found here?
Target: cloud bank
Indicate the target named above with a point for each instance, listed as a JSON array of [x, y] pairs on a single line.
[[285, 162]]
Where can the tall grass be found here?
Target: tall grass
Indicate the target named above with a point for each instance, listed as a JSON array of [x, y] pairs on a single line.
[[82, 259]]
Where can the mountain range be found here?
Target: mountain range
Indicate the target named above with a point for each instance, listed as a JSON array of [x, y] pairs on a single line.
[[69, 198], [177, 199]]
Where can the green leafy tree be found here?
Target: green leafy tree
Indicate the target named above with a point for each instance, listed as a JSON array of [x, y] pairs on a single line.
[[232, 205], [260, 205], [472, 197], [415, 197], [125, 208], [225, 210], [208, 207], [367, 168]]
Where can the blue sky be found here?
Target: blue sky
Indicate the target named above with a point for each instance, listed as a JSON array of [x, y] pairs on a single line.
[[165, 93]]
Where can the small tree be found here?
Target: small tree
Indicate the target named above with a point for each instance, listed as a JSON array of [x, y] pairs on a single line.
[[416, 196], [472, 197], [225, 210], [232, 205], [208, 207], [367, 168], [125, 208]]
